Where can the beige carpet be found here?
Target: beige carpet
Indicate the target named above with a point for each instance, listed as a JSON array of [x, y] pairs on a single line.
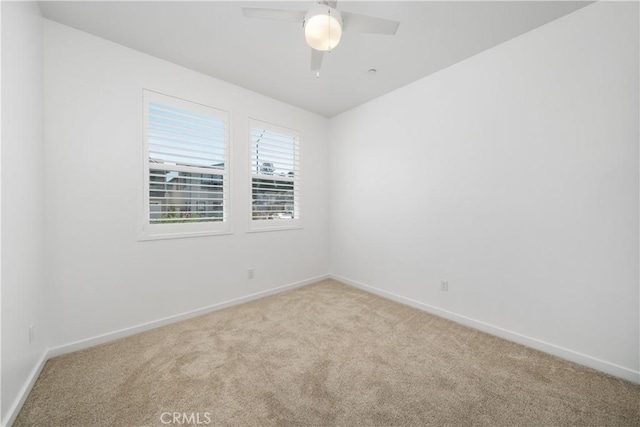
[[325, 354]]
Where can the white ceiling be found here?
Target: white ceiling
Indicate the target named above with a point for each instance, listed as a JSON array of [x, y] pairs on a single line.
[[272, 58]]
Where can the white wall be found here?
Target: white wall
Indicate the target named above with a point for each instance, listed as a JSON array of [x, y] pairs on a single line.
[[22, 198], [514, 176], [101, 278]]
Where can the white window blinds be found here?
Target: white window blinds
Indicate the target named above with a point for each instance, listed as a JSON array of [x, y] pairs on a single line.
[[187, 152], [275, 175]]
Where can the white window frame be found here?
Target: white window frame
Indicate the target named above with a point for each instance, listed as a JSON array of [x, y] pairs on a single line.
[[275, 224], [180, 230]]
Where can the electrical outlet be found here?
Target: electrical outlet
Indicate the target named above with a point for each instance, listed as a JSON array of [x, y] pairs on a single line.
[[32, 333], [444, 286], [250, 273]]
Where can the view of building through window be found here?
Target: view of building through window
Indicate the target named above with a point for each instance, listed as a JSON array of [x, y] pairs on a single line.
[[275, 161], [183, 196], [187, 154]]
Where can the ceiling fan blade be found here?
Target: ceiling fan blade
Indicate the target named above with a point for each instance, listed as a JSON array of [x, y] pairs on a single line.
[[368, 24], [316, 59], [277, 14]]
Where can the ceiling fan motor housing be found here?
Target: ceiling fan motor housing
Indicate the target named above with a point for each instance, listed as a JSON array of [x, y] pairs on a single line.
[[323, 27]]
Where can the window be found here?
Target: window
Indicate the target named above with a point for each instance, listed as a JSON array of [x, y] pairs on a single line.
[[186, 168], [275, 176]]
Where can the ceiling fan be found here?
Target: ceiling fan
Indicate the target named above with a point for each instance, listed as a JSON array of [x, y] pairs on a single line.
[[323, 25]]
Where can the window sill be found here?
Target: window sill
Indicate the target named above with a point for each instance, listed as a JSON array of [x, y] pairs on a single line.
[[274, 228], [185, 235]]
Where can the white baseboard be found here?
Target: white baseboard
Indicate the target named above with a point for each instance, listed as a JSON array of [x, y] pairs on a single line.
[[111, 336], [13, 411], [555, 350], [573, 356]]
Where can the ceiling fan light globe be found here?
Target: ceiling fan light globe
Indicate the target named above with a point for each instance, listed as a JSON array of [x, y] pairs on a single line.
[[323, 31]]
